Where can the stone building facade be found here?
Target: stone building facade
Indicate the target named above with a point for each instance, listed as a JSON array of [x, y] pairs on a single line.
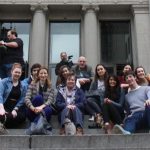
[[102, 23]]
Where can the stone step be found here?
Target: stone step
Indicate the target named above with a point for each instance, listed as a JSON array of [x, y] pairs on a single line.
[[55, 124], [73, 149], [85, 142], [110, 142], [56, 131], [91, 149]]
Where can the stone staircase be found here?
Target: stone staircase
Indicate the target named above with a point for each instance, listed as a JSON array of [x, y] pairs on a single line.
[[93, 139]]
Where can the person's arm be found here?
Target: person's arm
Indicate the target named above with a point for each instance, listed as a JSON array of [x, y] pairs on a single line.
[[21, 100], [2, 89], [50, 99], [28, 98], [121, 99], [93, 85], [60, 102], [147, 102], [11, 44], [80, 99], [2, 110]]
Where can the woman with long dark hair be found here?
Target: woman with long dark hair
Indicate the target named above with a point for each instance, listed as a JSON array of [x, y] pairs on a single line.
[[113, 112], [93, 105]]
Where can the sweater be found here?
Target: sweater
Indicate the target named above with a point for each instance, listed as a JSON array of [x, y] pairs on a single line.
[[135, 99]]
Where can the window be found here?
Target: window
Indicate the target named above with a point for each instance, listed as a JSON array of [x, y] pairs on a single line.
[[116, 43], [64, 36], [22, 29]]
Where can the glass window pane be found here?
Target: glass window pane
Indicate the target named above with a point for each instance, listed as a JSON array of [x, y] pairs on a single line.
[[22, 29], [64, 37], [116, 42]]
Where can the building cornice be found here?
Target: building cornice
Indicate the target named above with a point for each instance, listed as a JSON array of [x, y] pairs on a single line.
[[73, 2], [140, 9]]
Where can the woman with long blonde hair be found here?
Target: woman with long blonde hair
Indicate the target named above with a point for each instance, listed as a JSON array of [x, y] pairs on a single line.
[[40, 96]]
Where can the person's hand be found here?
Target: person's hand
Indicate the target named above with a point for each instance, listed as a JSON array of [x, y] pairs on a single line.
[[147, 102], [2, 110], [38, 109], [107, 101], [87, 80], [69, 106], [81, 81], [73, 107], [14, 113], [2, 42]]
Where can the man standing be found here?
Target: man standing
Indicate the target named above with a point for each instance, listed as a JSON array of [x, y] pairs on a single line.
[[83, 73], [14, 53], [64, 61], [138, 104]]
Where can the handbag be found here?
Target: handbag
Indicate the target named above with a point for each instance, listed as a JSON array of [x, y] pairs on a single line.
[[40, 127]]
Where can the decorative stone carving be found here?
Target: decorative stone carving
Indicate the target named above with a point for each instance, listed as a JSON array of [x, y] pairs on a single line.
[[90, 7], [39, 7]]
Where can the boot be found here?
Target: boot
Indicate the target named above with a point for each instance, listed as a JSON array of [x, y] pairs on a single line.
[[79, 131], [108, 128], [3, 130], [62, 131], [99, 120]]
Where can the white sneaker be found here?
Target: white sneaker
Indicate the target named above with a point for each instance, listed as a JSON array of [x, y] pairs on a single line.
[[91, 118], [117, 129]]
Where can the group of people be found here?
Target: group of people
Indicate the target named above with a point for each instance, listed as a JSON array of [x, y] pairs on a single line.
[[118, 104]]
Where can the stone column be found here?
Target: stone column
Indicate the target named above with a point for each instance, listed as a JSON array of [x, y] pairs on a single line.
[[90, 35], [37, 52], [142, 35]]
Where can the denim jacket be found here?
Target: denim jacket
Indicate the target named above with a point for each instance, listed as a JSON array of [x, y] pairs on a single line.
[[5, 89]]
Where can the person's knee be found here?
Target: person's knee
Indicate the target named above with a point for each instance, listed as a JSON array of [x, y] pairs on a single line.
[[37, 100]]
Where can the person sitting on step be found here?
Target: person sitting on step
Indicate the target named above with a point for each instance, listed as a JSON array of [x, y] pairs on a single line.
[[113, 106], [12, 93], [40, 97], [137, 101], [70, 102], [94, 101]]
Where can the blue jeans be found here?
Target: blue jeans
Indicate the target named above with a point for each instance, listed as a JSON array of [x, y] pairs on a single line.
[[76, 116], [38, 101], [138, 120], [5, 70]]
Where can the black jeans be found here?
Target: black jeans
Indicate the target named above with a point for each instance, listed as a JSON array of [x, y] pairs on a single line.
[[92, 107], [111, 113], [11, 122]]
